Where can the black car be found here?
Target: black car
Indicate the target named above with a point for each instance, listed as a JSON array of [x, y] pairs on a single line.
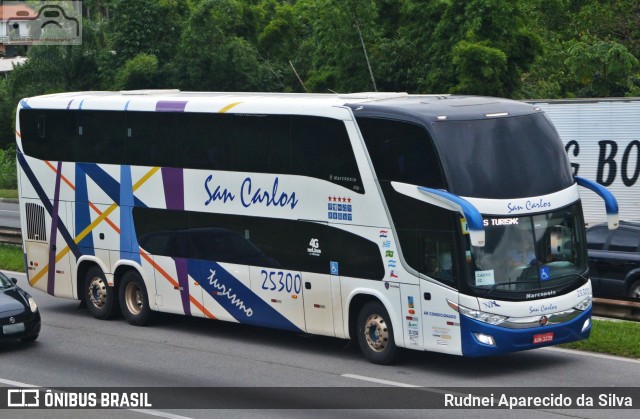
[[19, 314], [614, 260]]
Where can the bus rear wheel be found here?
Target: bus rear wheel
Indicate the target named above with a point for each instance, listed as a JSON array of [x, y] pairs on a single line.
[[99, 296], [134, 300], [375, 334]]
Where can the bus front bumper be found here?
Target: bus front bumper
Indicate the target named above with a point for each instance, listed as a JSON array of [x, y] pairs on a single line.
[[482, 339]]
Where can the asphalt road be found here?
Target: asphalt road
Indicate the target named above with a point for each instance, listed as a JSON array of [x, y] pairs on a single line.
[[9, 215], [75, 350]]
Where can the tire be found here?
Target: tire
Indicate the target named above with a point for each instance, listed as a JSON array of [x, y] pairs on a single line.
[[99, 296], [134, 300], [31, 338], [634, 290], [375, 334]]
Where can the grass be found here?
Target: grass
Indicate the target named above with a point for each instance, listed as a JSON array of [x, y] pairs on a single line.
[[608, 337], [11, 258], [8, 193], [613, 338]]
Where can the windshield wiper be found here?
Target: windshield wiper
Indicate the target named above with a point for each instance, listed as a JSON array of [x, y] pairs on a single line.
[[490, 290]]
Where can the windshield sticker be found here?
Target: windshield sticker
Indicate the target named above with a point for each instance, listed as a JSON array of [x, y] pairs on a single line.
[[464, 225], [485, 278], [545, 273], [384, 233]]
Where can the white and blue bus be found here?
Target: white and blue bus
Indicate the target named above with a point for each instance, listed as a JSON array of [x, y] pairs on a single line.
[[438, 223]]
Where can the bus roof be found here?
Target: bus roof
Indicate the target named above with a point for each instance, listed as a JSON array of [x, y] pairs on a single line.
[[423, 107]]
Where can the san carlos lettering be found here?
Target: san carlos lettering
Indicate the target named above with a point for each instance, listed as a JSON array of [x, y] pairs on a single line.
[[265, 197], [529, 205], [249, 194]]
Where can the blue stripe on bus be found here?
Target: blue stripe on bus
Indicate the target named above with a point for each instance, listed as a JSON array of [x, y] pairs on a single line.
[[83, 213], [128, 241], [235, 297], [108, 184]]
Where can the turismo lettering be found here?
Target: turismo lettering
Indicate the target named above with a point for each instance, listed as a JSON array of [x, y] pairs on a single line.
[[249, 195]]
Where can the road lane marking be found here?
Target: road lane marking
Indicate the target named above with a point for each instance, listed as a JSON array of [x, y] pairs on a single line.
[[592, 354], [377, 380], [150, 412], [16, 383]]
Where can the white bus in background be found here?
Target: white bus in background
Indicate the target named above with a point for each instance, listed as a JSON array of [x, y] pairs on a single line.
[[438, 223], [602, 140]]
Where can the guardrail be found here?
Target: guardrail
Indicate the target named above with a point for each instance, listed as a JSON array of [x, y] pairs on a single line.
[[10, 235], [613, 309], [617, 309]]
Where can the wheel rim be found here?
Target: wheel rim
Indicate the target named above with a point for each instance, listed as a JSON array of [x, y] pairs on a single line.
[[133, 298], [376, 333], [97, 292], [635, 293]]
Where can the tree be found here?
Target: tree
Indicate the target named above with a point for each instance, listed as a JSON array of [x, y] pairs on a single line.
[[601, 68], [140, 72], [216, 52], [484, 32]]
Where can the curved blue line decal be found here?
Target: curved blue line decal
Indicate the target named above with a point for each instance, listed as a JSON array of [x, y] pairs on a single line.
[[610, 202]]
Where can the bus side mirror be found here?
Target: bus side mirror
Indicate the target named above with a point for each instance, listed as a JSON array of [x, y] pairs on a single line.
[[610, 202], [447, 200]]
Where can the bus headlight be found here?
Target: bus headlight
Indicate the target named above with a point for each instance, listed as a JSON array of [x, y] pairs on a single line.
[[478, 315], [486, 339], [584, 304]]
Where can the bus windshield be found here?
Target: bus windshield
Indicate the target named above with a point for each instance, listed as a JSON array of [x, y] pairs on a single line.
[[529, 253], [478, 157]]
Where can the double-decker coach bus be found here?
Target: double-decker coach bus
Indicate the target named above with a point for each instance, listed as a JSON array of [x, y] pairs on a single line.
[[439, 223]]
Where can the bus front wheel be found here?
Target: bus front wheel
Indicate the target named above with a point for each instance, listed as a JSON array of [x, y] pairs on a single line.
[[99, 296], [134, 300], [375, 334]]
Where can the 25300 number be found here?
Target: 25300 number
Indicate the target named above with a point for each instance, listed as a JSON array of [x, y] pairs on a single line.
[[281, 281]]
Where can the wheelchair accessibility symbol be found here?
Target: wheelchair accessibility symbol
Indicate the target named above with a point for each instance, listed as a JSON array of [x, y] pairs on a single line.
[[545, 273]]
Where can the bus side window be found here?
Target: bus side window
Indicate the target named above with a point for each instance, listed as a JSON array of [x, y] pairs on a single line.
[[402, 152], [321, 148], [262, 143], [151, 138], [101, 136], [49, 133], [204, 141]]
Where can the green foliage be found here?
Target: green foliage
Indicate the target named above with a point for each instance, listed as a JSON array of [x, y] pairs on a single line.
[[601, 68], [612, 337], [8, 174], [140, 72], [512, 48], [481, 69], [11, 258]]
